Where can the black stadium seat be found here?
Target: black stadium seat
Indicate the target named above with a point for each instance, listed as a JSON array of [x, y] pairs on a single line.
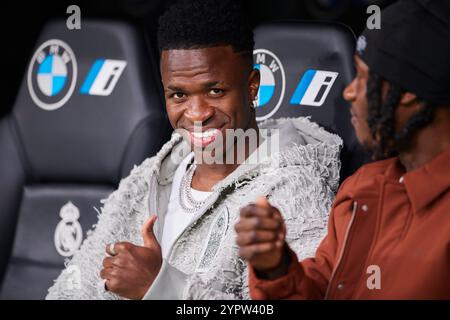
[[304, 68], [89, 108]]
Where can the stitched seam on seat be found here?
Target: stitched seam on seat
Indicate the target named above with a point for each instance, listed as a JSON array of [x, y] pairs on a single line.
[[20, 147]]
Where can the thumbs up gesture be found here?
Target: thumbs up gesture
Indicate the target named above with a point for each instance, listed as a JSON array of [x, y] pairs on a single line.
[[130, 270], [148, 235], [260, 235]]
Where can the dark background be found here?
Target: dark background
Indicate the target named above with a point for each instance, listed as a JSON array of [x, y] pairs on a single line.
[[22, 21]]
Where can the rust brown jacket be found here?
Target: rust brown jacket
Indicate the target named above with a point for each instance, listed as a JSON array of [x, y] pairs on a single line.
[[388, 238]]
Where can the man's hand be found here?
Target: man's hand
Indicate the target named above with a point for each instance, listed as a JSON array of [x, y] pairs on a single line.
[[130, 270], [261, 236]]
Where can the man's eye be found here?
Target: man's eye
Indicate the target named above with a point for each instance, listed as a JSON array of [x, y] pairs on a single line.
[[178, 95], [216, 92]]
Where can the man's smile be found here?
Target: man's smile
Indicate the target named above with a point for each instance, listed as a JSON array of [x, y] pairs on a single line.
[[201, 137]]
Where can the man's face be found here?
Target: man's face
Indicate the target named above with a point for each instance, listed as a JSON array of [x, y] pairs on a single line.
[[355, 93], [213, 87]]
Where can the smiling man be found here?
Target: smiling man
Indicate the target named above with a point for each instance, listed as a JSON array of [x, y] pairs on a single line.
[[389, 228], [188, 196]]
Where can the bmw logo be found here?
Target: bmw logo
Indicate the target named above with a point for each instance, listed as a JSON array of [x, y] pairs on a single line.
[[52, 74], [272, 83]]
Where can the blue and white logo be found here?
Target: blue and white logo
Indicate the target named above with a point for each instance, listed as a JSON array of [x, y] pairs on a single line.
[[272, 83], [314, 88], [103, 77], [52, 74], [266, 86]]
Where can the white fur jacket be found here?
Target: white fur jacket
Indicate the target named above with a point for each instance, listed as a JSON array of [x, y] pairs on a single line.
[[301, 180]]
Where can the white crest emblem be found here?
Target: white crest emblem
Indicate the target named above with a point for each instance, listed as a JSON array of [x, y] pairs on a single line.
[[68, 233], [361, 44]]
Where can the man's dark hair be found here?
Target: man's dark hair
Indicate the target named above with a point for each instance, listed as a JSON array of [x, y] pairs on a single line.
[[193, 24], [381, 118]]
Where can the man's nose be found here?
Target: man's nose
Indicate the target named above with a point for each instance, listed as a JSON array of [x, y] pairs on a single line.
[[199, 110], [349, 92]]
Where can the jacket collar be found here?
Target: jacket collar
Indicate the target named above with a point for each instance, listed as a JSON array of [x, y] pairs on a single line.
[[300, 142], [425, 184]]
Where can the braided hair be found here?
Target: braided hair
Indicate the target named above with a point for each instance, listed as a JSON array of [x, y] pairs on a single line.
[[381, 118]]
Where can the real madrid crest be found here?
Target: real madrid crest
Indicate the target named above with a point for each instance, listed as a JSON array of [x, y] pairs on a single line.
[[52, 74], [68, 233]]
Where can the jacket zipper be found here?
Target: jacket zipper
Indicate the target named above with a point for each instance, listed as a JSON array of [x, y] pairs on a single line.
[[153, 206], [347, 232]]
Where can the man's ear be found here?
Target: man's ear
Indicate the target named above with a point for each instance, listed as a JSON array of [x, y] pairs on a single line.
[[408, 98], [253, 84]]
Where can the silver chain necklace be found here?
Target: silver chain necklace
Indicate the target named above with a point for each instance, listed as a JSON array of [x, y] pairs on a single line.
[[187, 201]]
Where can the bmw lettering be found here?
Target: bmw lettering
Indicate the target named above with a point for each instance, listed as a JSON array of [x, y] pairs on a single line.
[[272, 83], [52, 74]]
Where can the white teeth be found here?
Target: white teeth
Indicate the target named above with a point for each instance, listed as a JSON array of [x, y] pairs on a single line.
[[202, 135], [197, 134], [209, 133]]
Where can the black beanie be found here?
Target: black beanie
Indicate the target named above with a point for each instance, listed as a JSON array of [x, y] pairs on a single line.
[[412, 48]]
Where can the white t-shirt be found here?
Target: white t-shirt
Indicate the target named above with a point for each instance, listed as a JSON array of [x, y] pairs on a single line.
[[176, 219]]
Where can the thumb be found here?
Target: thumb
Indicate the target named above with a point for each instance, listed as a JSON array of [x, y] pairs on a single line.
[[147, 232], [262, 202]]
